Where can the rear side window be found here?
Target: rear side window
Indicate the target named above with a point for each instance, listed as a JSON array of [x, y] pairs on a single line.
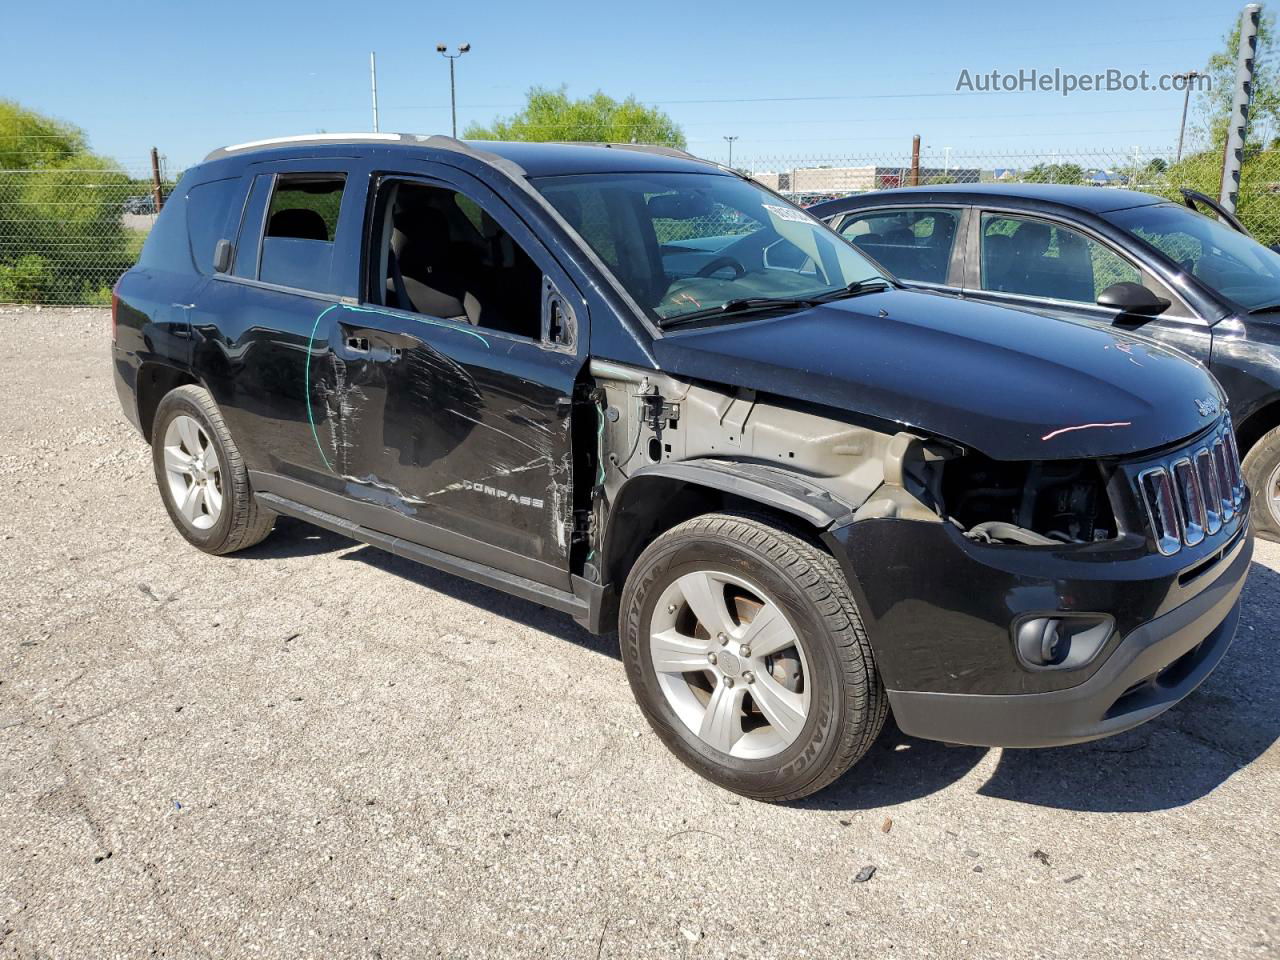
[[301, 223], [913, 244], [209, 208]]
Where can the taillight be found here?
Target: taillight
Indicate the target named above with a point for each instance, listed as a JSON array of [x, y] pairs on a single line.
[[115, 313]]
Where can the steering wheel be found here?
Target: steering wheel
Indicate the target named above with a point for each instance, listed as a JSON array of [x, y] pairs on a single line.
[[718, 264]]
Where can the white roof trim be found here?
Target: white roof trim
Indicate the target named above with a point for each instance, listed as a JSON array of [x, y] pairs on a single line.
[[251, 144]]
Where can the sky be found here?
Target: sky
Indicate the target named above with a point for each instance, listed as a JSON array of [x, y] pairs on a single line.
[[794, 82]]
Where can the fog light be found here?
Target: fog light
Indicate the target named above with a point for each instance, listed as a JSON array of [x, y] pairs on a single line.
[[1062, 641]]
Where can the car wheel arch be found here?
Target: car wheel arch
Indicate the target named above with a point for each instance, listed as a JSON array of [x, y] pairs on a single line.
[[1257, 423], [155, 381], [658, 497]]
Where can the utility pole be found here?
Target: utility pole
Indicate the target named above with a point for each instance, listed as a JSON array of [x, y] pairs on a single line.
[[373, 86], [730, 140], [1233, 155], [157, 194], [915, 160], [453, 89], [1187, 79]]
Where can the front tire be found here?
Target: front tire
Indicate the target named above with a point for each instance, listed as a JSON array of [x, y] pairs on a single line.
[[748, 657], [202, 478], [1261, 469]]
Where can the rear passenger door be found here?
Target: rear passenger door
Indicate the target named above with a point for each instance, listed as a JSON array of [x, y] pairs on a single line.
[[918, 245], [295, 255], [450, 383]]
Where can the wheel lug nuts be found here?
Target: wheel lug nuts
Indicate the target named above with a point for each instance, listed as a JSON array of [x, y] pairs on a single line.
[[711, 658], [671, 608], [746, 651], [722, 638], [749, 677], [728, 681]]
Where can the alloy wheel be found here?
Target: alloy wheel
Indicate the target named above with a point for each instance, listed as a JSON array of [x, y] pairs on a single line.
[[193, 472], [1272, 494], [730, 664]]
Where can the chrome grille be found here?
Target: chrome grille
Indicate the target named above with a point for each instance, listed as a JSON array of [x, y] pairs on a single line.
[[1196, 491]]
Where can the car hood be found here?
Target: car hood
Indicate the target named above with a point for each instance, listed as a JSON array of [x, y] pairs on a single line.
[[1011, 385]]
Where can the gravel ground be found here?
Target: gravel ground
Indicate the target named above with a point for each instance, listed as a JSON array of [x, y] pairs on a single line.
[[317, 750]]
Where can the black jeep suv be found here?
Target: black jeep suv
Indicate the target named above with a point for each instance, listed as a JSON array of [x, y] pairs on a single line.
[[595, 377]]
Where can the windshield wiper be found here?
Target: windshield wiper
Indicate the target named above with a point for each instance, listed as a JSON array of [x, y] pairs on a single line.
[[743, 305], [857, 288], [739, 306]]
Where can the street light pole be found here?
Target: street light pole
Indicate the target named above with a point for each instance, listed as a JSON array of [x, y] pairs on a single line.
[[373, 86], [453, 89], [730, 142], [1186, 79]]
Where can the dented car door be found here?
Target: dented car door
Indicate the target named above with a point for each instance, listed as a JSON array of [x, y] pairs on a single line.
[[459, 425]]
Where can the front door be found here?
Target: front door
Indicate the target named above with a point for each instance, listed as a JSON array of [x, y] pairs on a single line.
[[1047, 267], [452, 378]]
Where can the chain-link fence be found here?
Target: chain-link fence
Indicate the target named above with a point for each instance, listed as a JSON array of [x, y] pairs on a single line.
[[67, 232], [808, 180]]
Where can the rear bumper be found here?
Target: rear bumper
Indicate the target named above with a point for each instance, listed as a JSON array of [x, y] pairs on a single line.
[[124, 371], [948, 661]]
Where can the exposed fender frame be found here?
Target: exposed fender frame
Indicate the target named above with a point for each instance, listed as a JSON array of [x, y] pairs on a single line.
[[781, 489], [768, 486]]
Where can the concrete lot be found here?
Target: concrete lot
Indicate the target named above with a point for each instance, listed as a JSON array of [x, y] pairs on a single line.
[[317, 750]]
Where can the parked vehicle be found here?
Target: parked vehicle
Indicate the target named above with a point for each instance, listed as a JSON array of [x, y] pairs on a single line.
[[141, 204], [589, 376], [1115, 258]]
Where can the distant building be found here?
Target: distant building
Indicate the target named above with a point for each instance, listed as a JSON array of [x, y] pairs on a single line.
[[842, 180]]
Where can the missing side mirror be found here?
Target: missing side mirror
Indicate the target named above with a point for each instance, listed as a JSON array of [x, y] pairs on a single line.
[[559, 325]]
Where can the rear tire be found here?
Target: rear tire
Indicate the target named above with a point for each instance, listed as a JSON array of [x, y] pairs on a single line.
[[1261, 469], [775, 722], [202, 478]]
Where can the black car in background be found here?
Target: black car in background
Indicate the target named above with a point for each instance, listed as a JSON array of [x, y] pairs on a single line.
[[1114, 258]]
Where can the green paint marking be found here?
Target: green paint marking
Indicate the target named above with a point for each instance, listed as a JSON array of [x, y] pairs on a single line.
[[315, 434], [306, 385]]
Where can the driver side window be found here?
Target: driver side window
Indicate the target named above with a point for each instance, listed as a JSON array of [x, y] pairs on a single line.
[[443, 255], [1037, 258]]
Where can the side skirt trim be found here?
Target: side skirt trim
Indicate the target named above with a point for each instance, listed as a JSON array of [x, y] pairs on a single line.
[[526, 589]]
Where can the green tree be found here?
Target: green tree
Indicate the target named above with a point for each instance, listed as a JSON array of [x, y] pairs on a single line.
[[1055, 173], [552, 115], [61, 235]]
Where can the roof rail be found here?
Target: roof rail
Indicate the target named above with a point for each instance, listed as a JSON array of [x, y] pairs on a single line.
[[438, 141], [307, 138]]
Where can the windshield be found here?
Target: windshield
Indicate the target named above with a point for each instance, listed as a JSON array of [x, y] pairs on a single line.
[[692, 243], [1225, 260]]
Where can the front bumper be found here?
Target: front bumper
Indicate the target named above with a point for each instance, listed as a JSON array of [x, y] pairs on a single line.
[[948, 661]]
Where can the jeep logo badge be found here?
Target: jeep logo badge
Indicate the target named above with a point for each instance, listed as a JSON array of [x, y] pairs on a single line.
[[1207, 407]]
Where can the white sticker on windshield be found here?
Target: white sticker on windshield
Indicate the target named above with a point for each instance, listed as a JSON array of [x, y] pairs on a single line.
[[787, 213]]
